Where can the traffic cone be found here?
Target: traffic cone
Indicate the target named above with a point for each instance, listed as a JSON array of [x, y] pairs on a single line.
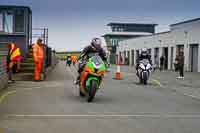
[[118, 73]]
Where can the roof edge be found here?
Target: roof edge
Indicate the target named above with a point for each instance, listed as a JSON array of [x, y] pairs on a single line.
[[159, 33], [16, 6], [187, 21], [118, 23]]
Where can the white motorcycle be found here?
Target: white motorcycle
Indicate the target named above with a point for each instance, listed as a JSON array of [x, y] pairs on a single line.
[[144, 71]]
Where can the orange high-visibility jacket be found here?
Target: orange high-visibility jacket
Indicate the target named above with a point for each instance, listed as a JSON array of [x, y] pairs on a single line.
[[74, 58], [38, 52], [15, 54]]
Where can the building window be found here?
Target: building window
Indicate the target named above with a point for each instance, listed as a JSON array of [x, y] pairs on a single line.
[[115, 29], [1, 21], [121, 29], [115, 42], [118, 29], [8, 22], [112, 42], [19, 21]]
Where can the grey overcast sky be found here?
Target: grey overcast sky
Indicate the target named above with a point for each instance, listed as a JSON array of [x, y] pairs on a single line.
[[73, 23]]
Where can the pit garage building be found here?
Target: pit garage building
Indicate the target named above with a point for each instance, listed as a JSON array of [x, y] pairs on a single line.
[[182, 36]]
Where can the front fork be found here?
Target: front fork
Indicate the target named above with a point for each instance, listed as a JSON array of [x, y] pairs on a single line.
[[88, 82], [140, 73]]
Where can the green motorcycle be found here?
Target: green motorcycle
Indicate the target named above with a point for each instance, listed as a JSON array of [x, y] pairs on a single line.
[[91, 77]]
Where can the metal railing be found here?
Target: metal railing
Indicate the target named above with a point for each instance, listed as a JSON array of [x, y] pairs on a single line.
[[3, 64]]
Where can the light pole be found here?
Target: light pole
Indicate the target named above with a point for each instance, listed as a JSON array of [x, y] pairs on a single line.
[[186, 52], [160, 41], [186, 37]]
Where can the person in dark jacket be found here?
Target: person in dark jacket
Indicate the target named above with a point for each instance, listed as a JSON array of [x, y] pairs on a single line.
[[162, 60], [94, 47], [180, 61], [68, 60]]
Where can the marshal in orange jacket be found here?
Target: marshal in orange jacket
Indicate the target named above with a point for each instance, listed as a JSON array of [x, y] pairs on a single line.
[[38, 55]]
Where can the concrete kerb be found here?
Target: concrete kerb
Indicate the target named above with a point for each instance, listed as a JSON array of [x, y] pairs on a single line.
[[3, 82], [4, 95]]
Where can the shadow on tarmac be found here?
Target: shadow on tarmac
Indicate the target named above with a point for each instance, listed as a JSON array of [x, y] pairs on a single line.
[[139, 84]]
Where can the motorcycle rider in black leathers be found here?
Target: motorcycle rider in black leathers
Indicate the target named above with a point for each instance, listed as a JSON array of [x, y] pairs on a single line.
[[94, 47], [143, 55]]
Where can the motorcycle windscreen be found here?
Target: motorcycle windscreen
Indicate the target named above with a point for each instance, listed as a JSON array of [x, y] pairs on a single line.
[[145, 62], [142, 66], [97, 61], [148, 66]]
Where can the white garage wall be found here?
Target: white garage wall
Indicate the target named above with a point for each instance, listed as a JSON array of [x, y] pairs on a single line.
[[192, 36], [181, 34]]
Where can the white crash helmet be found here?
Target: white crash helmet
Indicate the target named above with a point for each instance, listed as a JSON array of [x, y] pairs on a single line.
[[144, 51]]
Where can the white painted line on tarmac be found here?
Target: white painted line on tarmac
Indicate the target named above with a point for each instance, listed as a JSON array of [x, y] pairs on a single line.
[[157, 82], [6, 94], [192, 96], [70, 71], [74, 78], [28, 89], [104, 116]]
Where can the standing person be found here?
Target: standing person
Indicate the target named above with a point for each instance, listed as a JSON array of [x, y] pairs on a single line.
[[156, 62], [74, 59], [38, 55], [162, 59], [14, 57], [180, 60], [69, 60], [120, 59], [176, 63]]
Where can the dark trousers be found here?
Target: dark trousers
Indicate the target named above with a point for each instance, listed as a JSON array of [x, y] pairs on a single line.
[[181, 70], [10, 74], [161, 67], [80, 69]]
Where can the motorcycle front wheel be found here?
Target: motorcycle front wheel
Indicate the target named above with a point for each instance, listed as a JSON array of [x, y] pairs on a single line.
[[145, 78], [92, 91]]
